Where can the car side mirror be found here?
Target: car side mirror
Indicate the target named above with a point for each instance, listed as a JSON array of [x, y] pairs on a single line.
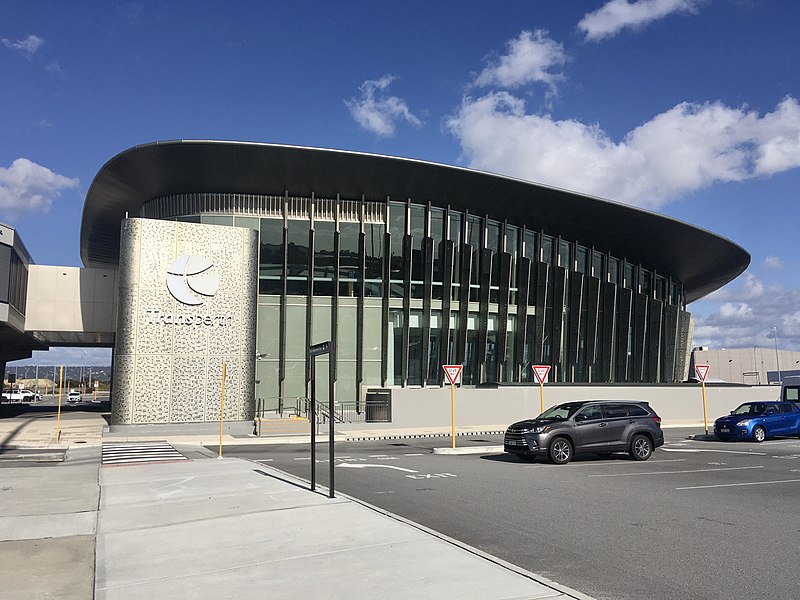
[[733, 411]]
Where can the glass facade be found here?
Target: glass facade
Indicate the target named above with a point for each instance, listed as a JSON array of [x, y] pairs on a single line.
[[402, 288]]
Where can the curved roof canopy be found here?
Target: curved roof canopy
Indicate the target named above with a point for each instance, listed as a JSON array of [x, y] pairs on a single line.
[[701, 260]]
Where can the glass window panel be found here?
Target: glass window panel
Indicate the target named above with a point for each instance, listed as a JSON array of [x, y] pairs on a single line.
[[324, 259], [630, 277], [246, 222], [434, 346], [455, 236], [216, 220], [646, 279], [597, 265], [395, 348], [613, 270], [373, 248], [475, 236], [531, 251], [455, 226], [512, 241], [415, 348], [547, 249], [564, 248], [271, 257], [297, 258], [397, 230], [349, 265], [582, 259], [417, 260]]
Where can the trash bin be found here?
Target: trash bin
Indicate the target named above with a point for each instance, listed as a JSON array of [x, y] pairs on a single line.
[[378, 406]]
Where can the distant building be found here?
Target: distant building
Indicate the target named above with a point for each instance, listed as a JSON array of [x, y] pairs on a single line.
[[752, 366]]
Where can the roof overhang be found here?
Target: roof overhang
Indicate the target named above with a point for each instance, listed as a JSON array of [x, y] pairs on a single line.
[[701, 260]]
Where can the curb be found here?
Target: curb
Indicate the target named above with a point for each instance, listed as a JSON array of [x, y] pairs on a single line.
[[419, 435], [469, 450]]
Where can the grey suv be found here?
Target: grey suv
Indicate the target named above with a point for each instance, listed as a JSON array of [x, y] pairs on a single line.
[[593, 426]]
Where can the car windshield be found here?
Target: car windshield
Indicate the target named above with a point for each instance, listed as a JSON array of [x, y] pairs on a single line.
[[562, 411], [751, 408]]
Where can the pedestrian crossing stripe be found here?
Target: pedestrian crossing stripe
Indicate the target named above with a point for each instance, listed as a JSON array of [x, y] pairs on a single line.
[[138, 453]]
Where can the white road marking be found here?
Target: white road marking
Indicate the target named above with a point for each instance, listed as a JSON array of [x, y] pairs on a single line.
[[575, 465], [678, 472], [720, 485], [709, 450], [431, 476], [417, 454], [352, 466]]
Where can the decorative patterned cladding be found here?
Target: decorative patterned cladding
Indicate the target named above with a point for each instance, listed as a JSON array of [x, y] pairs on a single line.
[[169, 355]]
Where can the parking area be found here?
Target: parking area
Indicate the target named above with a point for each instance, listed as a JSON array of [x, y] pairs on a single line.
[[700, 519]]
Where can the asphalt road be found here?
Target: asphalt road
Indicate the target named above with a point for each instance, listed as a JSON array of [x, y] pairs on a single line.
[[700, 519]]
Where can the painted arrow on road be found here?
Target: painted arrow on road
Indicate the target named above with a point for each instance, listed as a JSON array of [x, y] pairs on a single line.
[[363, 466]]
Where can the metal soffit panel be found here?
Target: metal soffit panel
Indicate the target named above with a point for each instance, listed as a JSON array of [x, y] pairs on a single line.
[[700, 259]]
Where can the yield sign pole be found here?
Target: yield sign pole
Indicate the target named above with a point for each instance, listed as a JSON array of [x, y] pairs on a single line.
[[702, 373], [453, 373], [541, 372]]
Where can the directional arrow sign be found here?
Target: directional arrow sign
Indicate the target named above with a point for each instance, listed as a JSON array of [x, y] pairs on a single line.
[[363, 466]]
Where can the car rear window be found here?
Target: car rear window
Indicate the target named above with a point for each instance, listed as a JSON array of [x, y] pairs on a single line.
[[788, 408], [624, 410], [615, 410]]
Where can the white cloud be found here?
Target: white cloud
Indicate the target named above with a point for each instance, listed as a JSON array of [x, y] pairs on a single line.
[[773, 262], [684, 149], [27, 47], [617, 15], [378, 112], [743, 313], [54, 67], [748, 287], [26, 186], [531, 58]]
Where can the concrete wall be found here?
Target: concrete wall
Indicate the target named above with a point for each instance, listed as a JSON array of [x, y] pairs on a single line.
[[177, 327], [680, 404], [71, 300]]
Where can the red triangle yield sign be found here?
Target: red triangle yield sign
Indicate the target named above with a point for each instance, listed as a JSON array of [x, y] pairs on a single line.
[[453, 373], [541, 372], [702, 371]]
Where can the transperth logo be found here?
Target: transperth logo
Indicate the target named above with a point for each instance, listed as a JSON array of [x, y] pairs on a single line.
[[189, 281]]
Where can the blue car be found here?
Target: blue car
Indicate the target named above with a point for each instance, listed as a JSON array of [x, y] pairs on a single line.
[[757, 421]]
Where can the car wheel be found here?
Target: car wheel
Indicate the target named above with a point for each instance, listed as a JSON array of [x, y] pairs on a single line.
[[641, 448], [759, 434], [560, 451]]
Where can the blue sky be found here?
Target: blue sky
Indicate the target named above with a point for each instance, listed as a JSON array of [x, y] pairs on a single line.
[[690, 108]]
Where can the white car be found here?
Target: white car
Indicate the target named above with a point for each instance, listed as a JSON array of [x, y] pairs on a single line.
[[74, 396], [35, 395]]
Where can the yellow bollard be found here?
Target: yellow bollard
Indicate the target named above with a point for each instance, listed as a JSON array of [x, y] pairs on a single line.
[[222, 407], [60, 388]]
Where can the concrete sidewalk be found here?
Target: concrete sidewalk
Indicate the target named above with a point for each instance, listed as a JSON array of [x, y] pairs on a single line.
[[214, 528]]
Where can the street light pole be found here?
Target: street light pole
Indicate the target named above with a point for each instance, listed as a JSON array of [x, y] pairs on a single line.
[[777, 360]]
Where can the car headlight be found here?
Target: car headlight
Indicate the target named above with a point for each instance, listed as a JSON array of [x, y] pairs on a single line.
[[541, 429], [744, 423]]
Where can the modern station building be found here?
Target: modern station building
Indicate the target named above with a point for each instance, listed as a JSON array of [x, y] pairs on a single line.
[[246, 254]]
